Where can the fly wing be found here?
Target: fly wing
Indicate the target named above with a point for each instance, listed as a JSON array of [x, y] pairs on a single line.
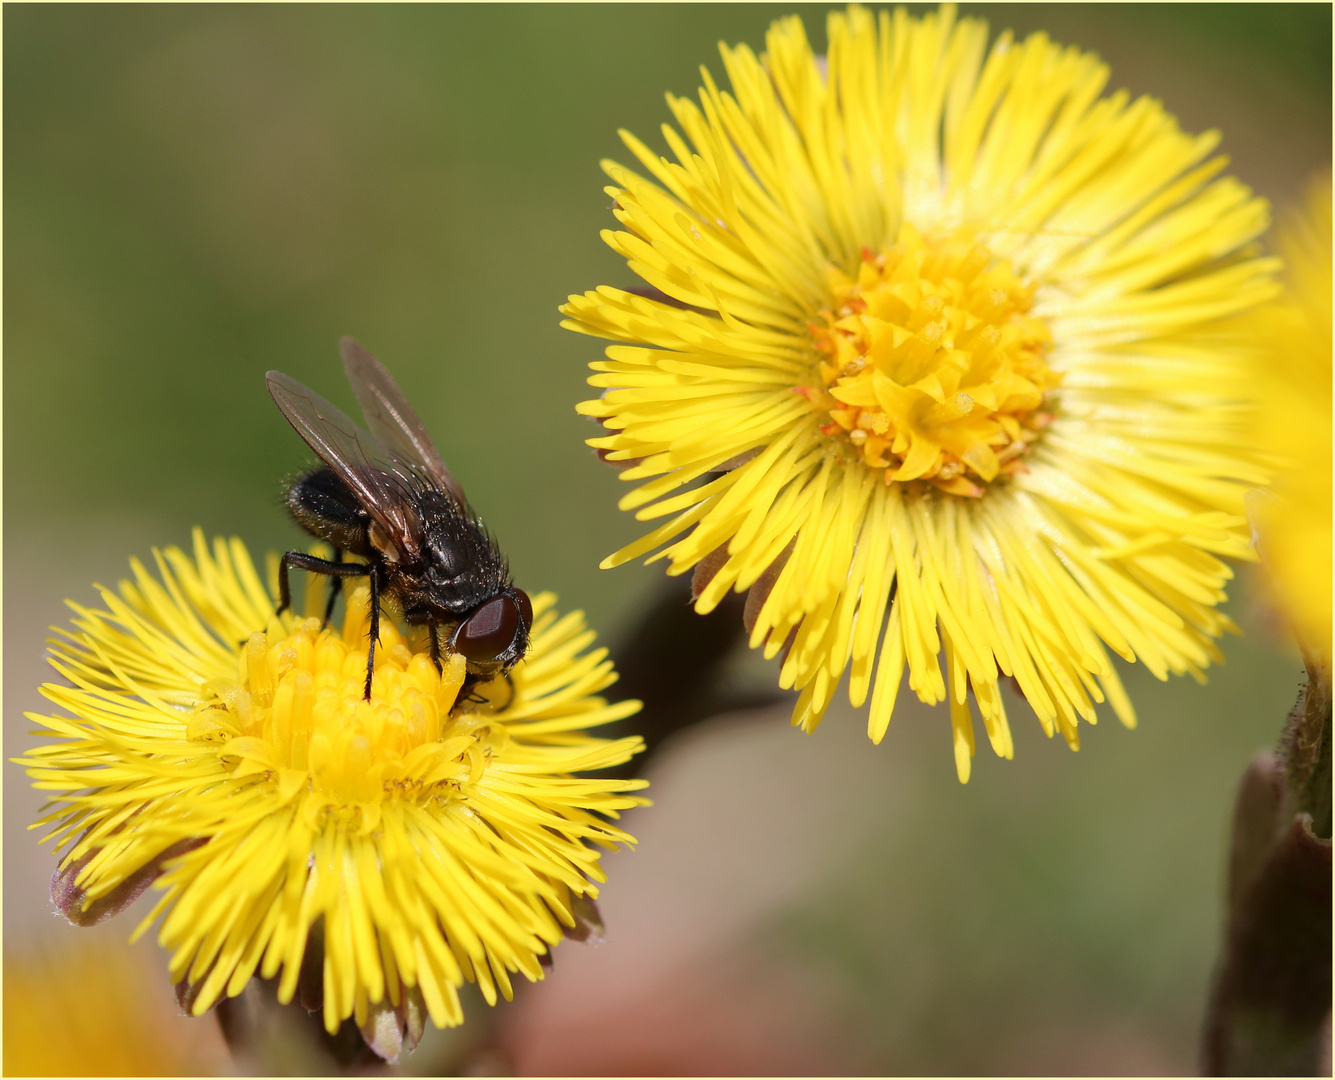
[[380, 483], [392, 420]]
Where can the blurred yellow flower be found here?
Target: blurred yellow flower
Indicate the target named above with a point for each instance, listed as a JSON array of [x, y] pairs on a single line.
[[432, 839], [939, 330], [89, 1009], [1293, 382]]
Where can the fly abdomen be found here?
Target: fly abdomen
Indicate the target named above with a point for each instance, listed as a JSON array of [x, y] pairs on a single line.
[[324, 506]]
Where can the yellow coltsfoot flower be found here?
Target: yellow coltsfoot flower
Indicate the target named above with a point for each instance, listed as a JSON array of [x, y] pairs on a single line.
[[422, 837], [933, 360], [1293, 382]]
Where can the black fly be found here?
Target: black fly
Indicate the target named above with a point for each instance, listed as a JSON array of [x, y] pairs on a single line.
[[385, 495]]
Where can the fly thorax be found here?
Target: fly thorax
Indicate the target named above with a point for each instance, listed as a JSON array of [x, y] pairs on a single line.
[[447, 561]]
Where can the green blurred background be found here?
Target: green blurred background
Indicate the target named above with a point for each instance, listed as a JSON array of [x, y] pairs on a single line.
[[195, 194]]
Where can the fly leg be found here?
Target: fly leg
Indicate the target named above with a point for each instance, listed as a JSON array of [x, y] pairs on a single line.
[[467, 692], [432, 628], [375, 628], [335, 587], [302, 561]]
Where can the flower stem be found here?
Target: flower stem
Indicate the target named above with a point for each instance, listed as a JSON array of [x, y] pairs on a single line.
[[1269, 1014], [1307, 745], [677, 663]]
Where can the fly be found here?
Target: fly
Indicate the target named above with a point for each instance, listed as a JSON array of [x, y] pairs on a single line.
[[384, 495]]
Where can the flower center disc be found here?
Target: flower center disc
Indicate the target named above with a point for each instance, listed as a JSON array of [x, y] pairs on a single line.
[[932, 368], [297, 712]]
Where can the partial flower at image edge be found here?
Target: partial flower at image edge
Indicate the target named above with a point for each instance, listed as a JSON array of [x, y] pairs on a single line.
[[1292, 376]]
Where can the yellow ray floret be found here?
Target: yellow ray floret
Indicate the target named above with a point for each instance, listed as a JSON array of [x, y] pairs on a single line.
[[430, 837], [937, 352]]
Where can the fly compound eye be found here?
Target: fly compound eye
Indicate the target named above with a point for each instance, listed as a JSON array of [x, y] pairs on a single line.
[[525, 608], [489, 631]]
